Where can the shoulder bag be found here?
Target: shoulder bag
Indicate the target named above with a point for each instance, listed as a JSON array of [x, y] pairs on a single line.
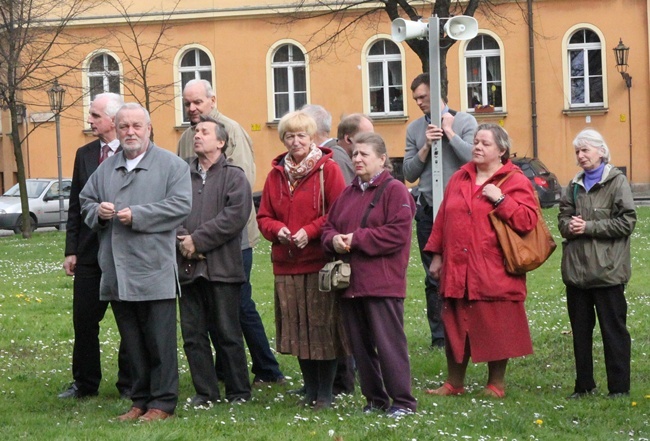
[[523, 253], [335, 275]]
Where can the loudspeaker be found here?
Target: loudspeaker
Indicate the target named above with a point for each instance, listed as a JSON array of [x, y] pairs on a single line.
[[461, 27], [407, 29]]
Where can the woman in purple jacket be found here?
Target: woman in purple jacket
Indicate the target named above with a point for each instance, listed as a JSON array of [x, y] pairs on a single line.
[[369, 225]]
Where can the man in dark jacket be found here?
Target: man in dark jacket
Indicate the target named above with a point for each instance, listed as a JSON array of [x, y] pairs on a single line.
[[81, 247], [209, 244]]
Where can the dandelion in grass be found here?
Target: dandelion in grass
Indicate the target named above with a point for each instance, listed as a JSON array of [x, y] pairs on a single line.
[[539, 422], [633, 403]]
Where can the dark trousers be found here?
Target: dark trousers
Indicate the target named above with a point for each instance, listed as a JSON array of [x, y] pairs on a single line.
[[87, 312], [205, 303], [423, 226], [375, 328], [148, 330], [265, 366], [611, 308]]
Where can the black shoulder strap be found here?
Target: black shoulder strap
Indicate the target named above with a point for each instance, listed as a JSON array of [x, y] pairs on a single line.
[[375, 199]]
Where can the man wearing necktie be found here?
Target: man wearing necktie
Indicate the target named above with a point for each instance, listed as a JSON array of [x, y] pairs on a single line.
[[81, 247]]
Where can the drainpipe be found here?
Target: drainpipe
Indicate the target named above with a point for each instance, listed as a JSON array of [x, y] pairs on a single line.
[[533, 89]]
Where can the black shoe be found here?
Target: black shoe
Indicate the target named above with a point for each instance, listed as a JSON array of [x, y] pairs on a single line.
[[618, 394], [583, 394], [74, 392], [438, 343], [259, 382], [301, 391], [201, 401]]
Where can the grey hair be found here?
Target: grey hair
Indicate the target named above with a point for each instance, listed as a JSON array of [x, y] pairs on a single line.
[[209, 91], [377, 143], [501, 138], [132, 106], [322, 117], [592, 138], [113, 103]]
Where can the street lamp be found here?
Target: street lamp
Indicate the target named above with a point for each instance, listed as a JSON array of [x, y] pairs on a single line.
[[621, 51], [56, 95], [460, 27]]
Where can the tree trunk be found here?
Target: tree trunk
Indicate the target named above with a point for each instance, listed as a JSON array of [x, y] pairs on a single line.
[[20, 167]]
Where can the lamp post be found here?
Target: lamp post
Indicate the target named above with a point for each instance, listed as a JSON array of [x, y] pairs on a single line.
[[621, 51], [460, 27], [56, 95]]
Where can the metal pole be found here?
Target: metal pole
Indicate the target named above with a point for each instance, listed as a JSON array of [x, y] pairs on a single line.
[[629, 120], [434, 95], [58, 159], [533, 87]]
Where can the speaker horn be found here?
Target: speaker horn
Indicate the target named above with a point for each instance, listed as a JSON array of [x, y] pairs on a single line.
[[408, 29], [461, 27]]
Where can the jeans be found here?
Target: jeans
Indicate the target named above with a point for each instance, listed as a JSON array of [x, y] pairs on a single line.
[[423, 226]]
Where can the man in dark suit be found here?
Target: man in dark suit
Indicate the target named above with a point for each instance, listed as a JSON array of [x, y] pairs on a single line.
[[81, 248]]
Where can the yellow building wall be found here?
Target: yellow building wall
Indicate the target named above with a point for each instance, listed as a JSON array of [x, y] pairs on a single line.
[[240, 46]]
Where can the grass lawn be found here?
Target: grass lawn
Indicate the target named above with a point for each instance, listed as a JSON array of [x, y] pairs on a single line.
[[36, 344]]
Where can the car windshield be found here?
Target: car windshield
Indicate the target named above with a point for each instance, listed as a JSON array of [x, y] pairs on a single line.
[[34, 189]]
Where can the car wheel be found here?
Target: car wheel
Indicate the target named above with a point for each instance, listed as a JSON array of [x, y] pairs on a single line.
[[18, 228]]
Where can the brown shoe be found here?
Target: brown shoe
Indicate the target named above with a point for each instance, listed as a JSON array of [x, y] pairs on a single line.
[[154, 415], [133, 414]]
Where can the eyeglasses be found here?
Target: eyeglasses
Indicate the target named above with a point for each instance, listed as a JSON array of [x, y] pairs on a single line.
[[288, 136]]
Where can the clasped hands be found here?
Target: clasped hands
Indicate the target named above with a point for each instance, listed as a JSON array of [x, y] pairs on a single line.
[[187, 248], [299, 239], [107, 211], [342, 243]]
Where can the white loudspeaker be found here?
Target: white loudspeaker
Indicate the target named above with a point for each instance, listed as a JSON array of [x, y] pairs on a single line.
[[461, 27], [407, 29]]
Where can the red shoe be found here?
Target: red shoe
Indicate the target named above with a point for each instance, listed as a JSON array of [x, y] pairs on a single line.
[[133, 414], [154, 415], [494, 392], [446, 390]]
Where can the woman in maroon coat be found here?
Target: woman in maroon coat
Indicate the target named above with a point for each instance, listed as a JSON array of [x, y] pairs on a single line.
[[378, 251], [483, 312], [292, 211]]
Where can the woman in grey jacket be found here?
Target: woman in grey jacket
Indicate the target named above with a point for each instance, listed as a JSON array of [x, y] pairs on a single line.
[[597, 217]]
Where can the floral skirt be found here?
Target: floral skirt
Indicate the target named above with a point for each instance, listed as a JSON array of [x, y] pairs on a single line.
[[307, 322]]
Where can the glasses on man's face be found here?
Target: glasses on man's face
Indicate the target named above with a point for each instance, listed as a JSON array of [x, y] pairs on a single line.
[[291, 136]]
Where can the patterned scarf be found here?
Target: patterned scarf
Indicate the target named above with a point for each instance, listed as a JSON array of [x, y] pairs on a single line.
[[297, 172]]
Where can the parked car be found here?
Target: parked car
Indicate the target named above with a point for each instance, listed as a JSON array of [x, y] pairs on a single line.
[[43, 195], [544, 182]]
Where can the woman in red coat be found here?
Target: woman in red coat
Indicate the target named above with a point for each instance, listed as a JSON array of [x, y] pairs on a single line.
[[483, 312], [302, 185]]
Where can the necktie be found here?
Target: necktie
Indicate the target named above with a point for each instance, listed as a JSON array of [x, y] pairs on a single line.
[[104, 155]]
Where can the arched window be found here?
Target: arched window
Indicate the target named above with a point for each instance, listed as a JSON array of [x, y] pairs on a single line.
[[386, 91], [585, 62], [103, 75], [195, 64], [288, 68], [483, 73]]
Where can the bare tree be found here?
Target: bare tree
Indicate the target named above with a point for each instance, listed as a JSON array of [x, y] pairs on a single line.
[[34, 49], [141, 48], [344, 16]]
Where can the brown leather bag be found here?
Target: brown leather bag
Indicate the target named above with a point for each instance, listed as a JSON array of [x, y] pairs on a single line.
[[523, 253]]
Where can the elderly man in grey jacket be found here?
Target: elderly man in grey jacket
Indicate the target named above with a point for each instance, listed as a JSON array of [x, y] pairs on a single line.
[[136, 200]]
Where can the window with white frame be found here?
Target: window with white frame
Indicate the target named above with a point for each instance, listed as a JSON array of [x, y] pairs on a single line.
[[195, 64], [103, 75], [584, 55], [288, 67], [386, 90], [483, 73]]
